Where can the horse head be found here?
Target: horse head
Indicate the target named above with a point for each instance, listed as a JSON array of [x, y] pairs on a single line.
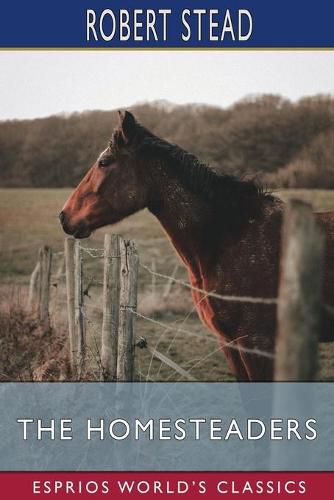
[[113, 188]]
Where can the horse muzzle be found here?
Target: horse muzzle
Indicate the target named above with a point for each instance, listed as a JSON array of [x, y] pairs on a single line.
[[79, 231]]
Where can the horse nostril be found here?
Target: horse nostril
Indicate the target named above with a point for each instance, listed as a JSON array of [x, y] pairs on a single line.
[[62, 217]]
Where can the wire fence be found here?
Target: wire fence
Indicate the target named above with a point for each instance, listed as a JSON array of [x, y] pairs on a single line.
[[83, 310], [99, 253], [92, 314]]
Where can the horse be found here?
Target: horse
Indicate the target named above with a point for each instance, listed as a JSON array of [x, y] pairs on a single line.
[[227, 232]]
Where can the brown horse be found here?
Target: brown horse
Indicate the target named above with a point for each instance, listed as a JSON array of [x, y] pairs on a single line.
[[226, 231]]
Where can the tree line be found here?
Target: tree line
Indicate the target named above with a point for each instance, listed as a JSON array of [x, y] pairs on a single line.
[[281, 143]]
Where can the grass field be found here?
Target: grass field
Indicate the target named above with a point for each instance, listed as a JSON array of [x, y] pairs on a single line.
[[29, 218]]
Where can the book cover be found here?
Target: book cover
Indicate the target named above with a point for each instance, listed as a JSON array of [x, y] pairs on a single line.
[[166, 249]]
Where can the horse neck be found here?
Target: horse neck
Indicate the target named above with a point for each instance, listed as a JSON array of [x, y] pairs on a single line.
[[193, 223], [185, 217]]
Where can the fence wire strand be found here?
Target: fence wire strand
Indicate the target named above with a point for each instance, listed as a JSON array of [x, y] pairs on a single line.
[[229, 345], [97, 253], [227, 298], [94, 253]]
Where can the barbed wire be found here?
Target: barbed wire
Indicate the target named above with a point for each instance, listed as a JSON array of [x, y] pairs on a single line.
[[142, 344], [164, 359], [228, 298], [229, 345], [94, 253], [169, 327], [187, 316], [99, 253]]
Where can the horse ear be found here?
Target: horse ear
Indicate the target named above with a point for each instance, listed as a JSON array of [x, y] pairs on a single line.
[[127, 126]]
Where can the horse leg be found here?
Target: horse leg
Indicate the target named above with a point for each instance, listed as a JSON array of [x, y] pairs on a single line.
[[259, 368], [245, 371], [236, 363]]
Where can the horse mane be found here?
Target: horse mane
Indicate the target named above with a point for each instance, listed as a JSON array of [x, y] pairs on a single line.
[[223, 191]]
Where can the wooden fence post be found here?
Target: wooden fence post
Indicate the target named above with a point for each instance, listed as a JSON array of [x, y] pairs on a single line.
[[34, 293], [127, 310], [78, 308], [61, 270], [300, 295], [70, 294], [111, 290], [45, 257]]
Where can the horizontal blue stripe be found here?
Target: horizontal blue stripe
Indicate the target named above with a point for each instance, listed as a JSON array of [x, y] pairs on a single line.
[[88, 403], [276, 23]]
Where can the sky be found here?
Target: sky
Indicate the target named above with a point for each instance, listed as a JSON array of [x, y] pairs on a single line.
[[37, 84]]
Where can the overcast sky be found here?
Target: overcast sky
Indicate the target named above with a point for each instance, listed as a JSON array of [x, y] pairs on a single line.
[[35, 84]]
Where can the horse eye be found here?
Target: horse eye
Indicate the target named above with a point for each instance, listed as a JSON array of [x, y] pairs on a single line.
[[105, 162]]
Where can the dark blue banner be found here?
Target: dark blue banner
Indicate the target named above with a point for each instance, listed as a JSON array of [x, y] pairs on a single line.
[[167, 24]]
